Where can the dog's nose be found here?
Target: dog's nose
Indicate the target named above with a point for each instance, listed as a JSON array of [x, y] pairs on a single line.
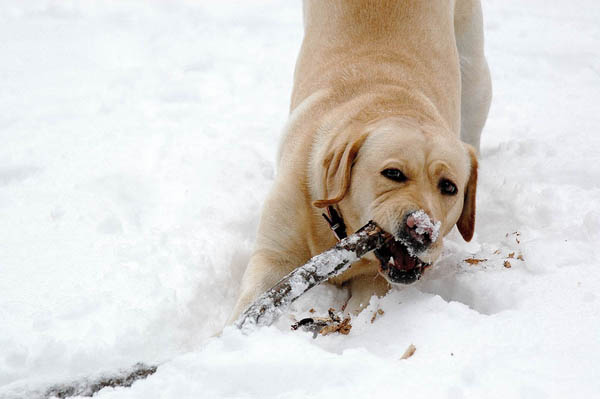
[[419, 230]]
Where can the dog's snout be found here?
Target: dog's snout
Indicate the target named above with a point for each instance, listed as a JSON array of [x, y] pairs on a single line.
[[418, 230], [418, 233]]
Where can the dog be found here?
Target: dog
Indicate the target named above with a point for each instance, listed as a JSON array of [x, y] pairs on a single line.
[[388, 104]]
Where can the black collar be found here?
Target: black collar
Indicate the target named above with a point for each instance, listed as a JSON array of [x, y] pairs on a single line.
[[336, 223]]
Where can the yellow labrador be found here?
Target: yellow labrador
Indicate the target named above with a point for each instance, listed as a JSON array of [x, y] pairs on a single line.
[[384, 90]]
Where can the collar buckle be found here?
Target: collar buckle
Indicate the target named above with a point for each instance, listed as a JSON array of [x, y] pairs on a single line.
[[336, 223]]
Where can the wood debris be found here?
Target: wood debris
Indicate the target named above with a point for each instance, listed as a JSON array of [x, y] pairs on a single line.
[[409, 352], [342, 327], [520, 257], [378, 312], [474, 261], [324, 325], [507, 264], [516, 234], [511, 255]]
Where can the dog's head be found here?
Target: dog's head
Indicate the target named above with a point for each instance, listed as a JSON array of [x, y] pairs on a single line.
[[415, 180]]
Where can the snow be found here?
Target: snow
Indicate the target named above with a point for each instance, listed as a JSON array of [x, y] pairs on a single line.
[[425, 225], [138, 144]]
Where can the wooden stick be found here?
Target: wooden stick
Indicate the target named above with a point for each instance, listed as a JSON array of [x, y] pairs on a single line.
[[333, 262], [90, 386]]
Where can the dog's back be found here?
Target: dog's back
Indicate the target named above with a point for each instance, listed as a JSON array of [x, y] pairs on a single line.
[[351, 45]]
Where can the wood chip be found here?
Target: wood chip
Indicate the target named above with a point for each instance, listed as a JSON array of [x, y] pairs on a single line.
[[497, 252], [378, 312], [516, 234], [343, 328], [408, 352], [520, 257], [507, 264], [324, 325], [473, 261], [312, 310], [511, 255]]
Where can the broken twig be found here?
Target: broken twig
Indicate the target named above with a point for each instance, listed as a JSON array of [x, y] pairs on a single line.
[[409, 352]]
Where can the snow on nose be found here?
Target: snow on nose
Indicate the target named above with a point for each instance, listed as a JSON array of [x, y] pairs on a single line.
[[422, 228]]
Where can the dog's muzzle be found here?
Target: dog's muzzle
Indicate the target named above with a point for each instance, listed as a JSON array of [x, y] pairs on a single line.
[[398, 257]]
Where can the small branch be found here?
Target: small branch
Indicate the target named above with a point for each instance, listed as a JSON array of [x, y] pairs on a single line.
[[89, 386], [333, 262]]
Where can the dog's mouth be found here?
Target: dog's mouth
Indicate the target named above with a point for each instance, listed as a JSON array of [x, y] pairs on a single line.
[[397, 264]]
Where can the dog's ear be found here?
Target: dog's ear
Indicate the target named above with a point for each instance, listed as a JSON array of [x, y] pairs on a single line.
[[466, 221], [336, 167]]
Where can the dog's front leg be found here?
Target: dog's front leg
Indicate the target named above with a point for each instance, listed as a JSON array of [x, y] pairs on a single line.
[[362, 289], [281, 243]]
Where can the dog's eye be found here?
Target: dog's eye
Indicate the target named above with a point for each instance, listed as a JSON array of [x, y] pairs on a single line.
[[447, 187], [394, 174]]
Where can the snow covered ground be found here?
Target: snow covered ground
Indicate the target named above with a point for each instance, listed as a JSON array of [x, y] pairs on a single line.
[[138, 141]]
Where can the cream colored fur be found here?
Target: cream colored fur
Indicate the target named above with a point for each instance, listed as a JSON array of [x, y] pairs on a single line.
[[377, 85]]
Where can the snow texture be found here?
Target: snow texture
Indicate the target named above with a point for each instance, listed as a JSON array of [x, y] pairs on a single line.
[[138, 141]]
